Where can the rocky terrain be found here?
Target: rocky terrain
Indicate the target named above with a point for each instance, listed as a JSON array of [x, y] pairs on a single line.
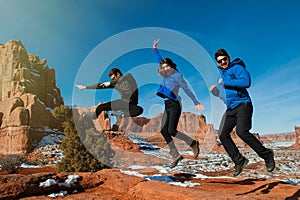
[[140, 167], [143, 173]]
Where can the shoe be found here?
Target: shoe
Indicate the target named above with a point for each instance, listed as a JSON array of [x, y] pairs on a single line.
[[270, 162], [239, 167], [176, 161], [195, 148]]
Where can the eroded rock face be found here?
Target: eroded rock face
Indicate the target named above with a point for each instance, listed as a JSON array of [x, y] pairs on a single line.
[[28, 93], [193, 125], [297, 134], [188, 123], [297, 138], [23, 73]]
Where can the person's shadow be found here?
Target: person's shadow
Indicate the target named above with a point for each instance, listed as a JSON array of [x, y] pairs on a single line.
[[268, 187]]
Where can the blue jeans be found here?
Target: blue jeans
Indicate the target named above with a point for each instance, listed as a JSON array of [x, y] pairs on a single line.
[[169, 126], [241, 118]]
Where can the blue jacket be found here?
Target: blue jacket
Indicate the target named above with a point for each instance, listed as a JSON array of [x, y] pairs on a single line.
[[170, 85], [235, 81]]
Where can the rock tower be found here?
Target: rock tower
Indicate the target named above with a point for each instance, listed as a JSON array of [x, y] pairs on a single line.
[[28, 93]]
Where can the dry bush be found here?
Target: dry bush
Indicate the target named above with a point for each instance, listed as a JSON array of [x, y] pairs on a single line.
[[12, 163]]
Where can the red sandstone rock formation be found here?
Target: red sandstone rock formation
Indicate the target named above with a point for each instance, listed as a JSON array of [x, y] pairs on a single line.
[[113, 184], [297, 138], [28, 92], [191, 124]]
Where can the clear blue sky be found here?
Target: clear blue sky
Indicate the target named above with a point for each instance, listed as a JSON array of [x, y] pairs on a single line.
[[265, 34]]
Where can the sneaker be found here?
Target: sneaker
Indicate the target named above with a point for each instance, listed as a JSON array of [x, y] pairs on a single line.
[[270, 162], [239, 167], [195, 148], [176, 161]]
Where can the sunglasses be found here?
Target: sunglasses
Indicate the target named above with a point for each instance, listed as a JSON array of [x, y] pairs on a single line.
[[165, 66], [223, 59]]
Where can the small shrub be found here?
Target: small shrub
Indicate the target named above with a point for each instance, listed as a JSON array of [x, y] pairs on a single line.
[[76, 155], [12, 163]]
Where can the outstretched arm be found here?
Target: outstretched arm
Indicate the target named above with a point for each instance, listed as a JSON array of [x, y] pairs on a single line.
[[200, 107], [94, 86], [156, 52], [180, 80], [80, 87], [155, 43]]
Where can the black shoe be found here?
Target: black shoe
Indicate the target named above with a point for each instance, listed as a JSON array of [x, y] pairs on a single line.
[[195, 148], [239, 167], [176, 161], [270, 162]]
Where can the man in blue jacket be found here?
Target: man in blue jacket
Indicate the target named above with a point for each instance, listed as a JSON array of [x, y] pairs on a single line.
[[232, 89]]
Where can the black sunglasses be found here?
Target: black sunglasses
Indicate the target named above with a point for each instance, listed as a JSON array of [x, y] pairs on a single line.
[[224, 59]]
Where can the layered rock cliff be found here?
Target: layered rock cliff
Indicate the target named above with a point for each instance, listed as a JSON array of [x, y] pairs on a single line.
[[191, 124], [297, 138], [28, 93]]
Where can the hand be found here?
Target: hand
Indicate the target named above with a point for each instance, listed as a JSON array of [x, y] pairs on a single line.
[[81, 87], [214, 90], [220, 81], [106, 84], [155, 43], [200, 107]]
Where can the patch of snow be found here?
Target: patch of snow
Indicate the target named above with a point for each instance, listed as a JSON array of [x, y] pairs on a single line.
[[200, 176], [159, 177], [137, 167], [294, 181], [143, 144], [61, 193], [24, 165], [35, 73], [132, 173], [72, 179], [51, 139], [185, 184], [162, 169], [48, 183], [162, 178]]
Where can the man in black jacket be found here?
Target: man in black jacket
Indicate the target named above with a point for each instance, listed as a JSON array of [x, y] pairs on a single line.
[[126, 86]]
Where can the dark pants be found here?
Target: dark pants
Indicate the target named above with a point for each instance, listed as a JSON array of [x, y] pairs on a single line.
[[241, 117], [169, 126], [130, 110]]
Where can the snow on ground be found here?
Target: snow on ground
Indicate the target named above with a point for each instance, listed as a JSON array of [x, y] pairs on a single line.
[[72, 179], [287, 162], [49, 146], [52, 139]]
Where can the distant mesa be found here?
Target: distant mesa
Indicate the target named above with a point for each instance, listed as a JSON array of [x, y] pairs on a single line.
[[297, 138]]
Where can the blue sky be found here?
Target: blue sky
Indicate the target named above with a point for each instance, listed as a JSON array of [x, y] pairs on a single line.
[[70, 33]]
